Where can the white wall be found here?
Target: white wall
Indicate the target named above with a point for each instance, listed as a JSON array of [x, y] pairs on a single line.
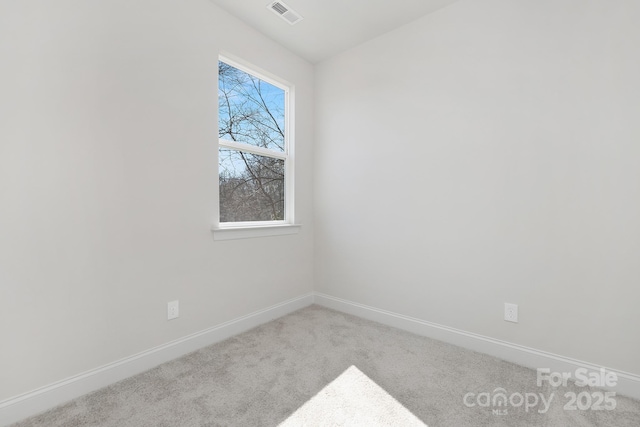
[[108, 131], [490, 153]]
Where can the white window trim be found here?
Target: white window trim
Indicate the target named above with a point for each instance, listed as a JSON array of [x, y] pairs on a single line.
[[242, 230], [262, 230]]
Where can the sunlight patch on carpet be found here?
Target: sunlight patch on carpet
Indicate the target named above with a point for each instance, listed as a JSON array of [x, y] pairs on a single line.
[[352, 399]]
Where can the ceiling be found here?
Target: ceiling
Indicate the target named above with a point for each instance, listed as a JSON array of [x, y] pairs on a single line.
[[329, 26]]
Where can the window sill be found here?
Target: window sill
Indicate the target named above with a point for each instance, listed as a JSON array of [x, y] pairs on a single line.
[[247, 232]]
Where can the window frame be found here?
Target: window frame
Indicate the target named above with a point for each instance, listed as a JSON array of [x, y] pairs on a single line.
[[246, 229]]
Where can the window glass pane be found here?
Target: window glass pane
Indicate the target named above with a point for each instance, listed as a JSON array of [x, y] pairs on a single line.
[[250, 110], [251, 187]]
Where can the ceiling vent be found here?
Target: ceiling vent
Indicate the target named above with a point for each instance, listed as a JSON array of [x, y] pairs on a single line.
[[285, 12]]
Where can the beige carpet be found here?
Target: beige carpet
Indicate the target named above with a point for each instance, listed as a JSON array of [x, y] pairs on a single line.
[[289, 372], [352, 399]]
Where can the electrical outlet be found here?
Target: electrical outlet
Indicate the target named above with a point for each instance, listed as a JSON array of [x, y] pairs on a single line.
[[173, 309], [511, 312]]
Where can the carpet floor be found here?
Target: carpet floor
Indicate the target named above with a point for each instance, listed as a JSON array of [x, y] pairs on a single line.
[[320, 367]]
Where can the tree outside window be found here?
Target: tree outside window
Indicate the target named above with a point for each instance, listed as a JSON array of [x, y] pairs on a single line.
[[253, 147]]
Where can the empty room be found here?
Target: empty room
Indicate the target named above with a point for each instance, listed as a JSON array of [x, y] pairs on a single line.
[[319, 213]]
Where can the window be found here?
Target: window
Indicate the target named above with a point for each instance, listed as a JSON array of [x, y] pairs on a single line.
[[254, 149]]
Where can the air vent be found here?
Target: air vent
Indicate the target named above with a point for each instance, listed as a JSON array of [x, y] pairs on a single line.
[[285, 12]]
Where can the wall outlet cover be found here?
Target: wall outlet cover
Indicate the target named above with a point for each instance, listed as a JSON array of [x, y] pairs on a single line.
[[173, 310], [511, 312]]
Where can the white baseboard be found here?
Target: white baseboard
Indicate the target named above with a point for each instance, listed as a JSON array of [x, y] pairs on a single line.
[[628, 384], [17, 408]]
